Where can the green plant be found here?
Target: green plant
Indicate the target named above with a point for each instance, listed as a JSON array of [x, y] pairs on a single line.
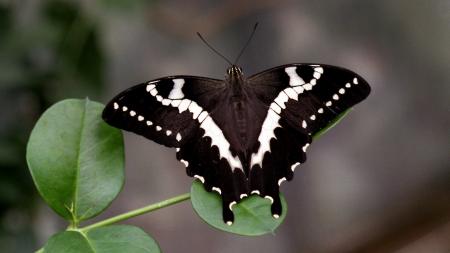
[[77, 164]]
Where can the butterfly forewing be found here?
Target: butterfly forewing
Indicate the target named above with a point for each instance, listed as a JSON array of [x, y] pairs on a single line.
[[315, 93], [166, 110]]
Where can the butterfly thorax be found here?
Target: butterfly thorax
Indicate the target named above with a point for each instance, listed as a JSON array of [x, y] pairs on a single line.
[[238, 106], [235, 80]]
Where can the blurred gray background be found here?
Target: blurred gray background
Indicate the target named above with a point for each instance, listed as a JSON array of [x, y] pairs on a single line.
[[377, 182]]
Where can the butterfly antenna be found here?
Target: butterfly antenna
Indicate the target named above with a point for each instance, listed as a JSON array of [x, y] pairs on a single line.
[[246, 44], [213, 49]]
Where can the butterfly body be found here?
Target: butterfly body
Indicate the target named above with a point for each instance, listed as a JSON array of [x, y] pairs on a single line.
[[239, 136]]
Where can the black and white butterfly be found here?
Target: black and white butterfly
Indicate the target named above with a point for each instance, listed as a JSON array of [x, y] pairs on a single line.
[[239, 136]]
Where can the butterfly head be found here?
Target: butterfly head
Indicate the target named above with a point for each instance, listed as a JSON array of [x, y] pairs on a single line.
[[235, 78], [234, 72]]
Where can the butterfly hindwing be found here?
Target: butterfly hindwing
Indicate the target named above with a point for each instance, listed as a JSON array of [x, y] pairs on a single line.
[[204, 162], [269, 169]]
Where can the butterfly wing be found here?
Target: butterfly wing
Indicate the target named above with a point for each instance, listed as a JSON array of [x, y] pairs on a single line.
[[165, 110], [178, 112], [301, 99]]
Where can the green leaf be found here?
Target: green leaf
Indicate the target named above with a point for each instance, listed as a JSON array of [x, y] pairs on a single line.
[[111, 239], [330, 125], [252, 216], [76, 160]]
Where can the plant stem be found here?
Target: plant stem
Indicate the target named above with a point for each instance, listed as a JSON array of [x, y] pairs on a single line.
[[131, 214], [137, 212]]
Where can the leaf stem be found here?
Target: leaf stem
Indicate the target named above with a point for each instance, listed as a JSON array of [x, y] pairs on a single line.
[[131, 214], [137, 212]]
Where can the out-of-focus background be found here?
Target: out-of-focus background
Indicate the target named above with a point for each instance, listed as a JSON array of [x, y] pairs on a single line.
[[378, 182]]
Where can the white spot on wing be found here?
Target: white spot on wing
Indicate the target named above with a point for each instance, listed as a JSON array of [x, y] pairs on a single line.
[[158, 128], [320, 110], [281, 99], [229, 223], [132, 113], [319, 69], [202, 116], [186, 163], [217, 190], [269, 198], [153, 92], [348, 85], [275, 108], [328, 103], [355, 80], [178, 137], [294, 78], [281, 180], [168, 132], [150, 87], [176, 103], [243, 195], [149, 123], [176, 92], [291, 93], [230, 206], [335, 97], [166, 102], [313, 117], [294, 166], [124, 108], [304, 148], [255, 192], [184, 105], [304, 125], [116, 106], [194, 109], [307, 86], [140, 118], [298, 89], [276, 216], [202, 179], [316, 75], [341, 90]]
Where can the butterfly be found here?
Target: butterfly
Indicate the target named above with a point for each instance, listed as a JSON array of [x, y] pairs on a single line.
[[242, 135]]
